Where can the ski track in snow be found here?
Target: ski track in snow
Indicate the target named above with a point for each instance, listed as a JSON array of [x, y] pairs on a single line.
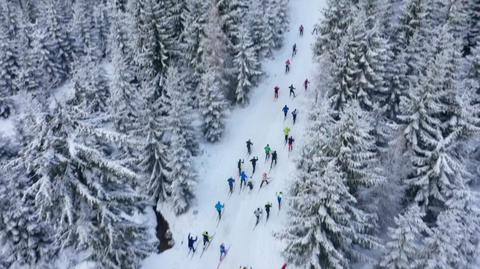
[[262, 122]]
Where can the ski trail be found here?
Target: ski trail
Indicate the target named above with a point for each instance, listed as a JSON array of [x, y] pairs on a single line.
[[262, 122]]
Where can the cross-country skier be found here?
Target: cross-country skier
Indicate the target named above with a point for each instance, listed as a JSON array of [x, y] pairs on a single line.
[[285, 111], [294, 115], [231, 181], [191, 241], [258, 213], [239, 165], [305, 83], [243, 179], [276, 90], [219, 207], [206, 238], [294, 49], [250, 184], [265, 179], [292, 91], [267, 151], [249, 146], [279, 199], [286, 131], [267, 209], [287, 66], [223, 251], [274, 158], [290, 143], [301, 30], [254, 163]]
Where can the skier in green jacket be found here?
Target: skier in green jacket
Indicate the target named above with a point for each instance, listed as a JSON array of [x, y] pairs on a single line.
[[267, 152]]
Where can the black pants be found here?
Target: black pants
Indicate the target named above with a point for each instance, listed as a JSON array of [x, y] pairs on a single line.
[[294, 119], [292, 92], [253, 165], [268, 214], [273, 160], [286, 139], [287, 68]]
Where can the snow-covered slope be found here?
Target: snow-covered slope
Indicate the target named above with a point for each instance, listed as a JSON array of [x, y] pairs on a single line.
[[262, 122]]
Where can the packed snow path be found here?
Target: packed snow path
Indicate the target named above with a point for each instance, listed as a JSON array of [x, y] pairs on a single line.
[[262, 122]]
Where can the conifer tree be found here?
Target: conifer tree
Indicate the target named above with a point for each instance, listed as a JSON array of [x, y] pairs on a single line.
[[182, 175], [405, 244], [325, 222], [212, 107], [247, 66], [87, 194]]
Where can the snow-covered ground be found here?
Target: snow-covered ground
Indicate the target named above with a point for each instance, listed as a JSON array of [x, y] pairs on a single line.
[[262, 122]]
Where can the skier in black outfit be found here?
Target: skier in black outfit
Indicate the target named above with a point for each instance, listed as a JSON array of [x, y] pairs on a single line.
[[249, 147], [239, 166], [292, 91], [274, 158], [267, 209], [254, 163], [231, 181], [294, 49], [191, 241], [294, 115]]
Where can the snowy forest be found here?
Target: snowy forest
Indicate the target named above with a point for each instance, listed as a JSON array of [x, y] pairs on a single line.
[[106, 104], [109, 101], [390, 175]]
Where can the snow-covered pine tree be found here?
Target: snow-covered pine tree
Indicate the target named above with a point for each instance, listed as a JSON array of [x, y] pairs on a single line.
[[474, 23], [85, 192], [342, 74], [91, 86], [178, 17], [262, 40], [29, 74], [370, 61], [337, 18], [102, 28], [212, 106], [126, 100], [353, 149], [152, 42], [153, 158], [213, 51], [179, 113], [85, 30], [246, 64], [9, 50], [57, 41], [274, 30], [408, 24], [182, 175], [23, 234], [458, 12], [325, 225], [405, 240]]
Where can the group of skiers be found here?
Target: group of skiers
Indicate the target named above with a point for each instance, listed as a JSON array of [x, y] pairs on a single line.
[[258, 212]]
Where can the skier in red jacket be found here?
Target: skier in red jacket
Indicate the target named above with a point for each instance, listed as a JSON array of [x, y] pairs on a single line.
[[284, 266], [287, 66]]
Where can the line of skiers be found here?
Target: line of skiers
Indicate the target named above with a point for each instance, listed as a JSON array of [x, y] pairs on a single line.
[[265, 179]]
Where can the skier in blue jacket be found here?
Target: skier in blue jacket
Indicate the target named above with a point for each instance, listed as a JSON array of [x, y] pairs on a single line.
[[219, 206], [230, 183], [243, 179], [285, 111]]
